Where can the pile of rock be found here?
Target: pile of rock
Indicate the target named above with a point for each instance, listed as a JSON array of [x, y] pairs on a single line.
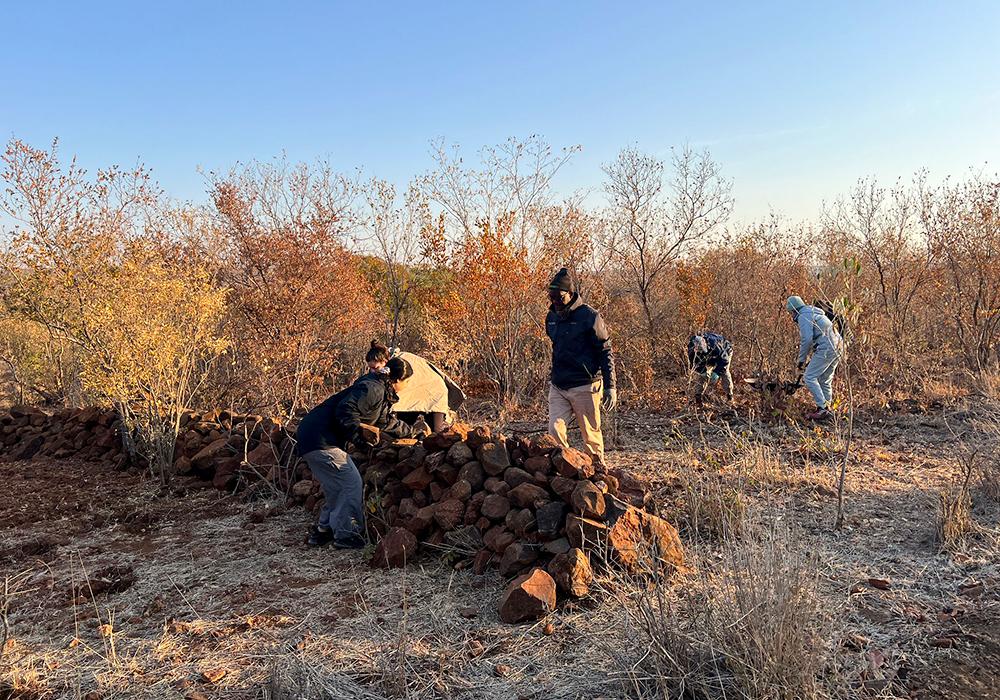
[[538, 512], [88, 433]]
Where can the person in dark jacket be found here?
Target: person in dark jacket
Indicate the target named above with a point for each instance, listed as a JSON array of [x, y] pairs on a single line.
[[583, 366], [709, 355], [323, 436]]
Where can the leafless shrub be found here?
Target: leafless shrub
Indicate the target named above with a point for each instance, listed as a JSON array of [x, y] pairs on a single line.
[[749, 625]]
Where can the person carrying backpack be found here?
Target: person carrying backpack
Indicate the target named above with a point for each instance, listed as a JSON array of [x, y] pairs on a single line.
[[709, 356], [818, 337]]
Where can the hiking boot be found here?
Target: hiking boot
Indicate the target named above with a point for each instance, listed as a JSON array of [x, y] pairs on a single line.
[[319, 537], [820, 414]]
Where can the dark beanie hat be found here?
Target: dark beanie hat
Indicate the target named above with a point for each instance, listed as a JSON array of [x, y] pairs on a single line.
[[561, 281]]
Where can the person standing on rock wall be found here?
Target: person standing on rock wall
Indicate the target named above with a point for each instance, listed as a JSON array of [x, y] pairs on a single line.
[[583, 366], [323, 436], [709, 355], [817, 335]]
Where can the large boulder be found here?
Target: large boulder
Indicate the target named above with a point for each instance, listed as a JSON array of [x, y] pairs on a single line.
[[528, 597]]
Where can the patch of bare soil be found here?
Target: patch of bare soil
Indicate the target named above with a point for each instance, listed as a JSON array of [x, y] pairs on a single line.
[[120, 588]]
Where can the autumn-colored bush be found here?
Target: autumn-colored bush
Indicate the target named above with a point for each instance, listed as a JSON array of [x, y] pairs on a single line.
[[280, 281]]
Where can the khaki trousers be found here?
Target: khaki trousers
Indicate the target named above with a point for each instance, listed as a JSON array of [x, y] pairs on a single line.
[[584, 402]]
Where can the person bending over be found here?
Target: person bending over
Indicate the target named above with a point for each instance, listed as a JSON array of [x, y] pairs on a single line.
[[323, 436], [709, 355]]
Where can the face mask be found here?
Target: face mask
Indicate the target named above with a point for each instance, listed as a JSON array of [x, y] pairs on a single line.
[[559, 298]]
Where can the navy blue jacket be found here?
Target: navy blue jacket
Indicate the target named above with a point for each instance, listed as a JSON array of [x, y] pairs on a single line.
[[720, 351], [336, 421], [581, 348]]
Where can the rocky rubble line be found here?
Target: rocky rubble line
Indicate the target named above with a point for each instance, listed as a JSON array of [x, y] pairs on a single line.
[[540, 514]]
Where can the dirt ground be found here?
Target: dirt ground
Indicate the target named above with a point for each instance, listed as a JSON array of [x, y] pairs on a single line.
[[119, 588]]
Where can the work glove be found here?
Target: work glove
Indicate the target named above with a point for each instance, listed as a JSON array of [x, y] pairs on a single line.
[[610, 399]]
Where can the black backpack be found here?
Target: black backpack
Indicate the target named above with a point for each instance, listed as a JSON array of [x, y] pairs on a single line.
[[838, 320]]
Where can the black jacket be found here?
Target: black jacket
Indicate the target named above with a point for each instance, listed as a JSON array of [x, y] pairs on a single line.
[[336, 421], [581, 348]]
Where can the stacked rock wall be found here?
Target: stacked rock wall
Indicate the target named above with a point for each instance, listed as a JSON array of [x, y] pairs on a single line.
[[535, 511]]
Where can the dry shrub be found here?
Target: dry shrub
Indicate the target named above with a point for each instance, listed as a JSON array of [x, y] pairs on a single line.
[[750, 623], [955, 523], [712, 508]]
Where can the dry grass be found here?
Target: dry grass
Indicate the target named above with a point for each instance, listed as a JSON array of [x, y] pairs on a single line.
[[748, 623]]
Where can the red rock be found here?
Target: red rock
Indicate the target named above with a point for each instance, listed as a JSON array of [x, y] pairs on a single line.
[[262, 455], [571, 572], [423, 519], [542, 444], [514, 477], [483, 560], [473, 473], [418, 479], [573, 464], [495, 507], [447, 437], [529, 495], [541, 464], [521, 522], [641, 541], [436, 491], [587, 500], [528, 597], [395, 549], [408, 509], [498, 538], [629, 489], [449, 514], [584, 533], [483, 524], [497, 486], [494, 458], [459, 454], [478, 437], [517, 556], [461, 490], [563, 487], [205, 457]]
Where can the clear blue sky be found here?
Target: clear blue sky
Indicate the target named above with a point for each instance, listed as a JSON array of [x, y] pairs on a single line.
[[796, 100]]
